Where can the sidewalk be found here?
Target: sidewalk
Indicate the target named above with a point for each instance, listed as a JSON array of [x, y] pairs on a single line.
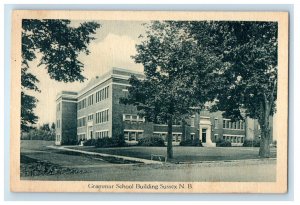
[[145, 161]]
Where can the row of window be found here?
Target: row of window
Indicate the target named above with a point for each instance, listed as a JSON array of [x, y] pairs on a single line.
[[102, 116], [234, 139], [90, 100], [133, 135], [81, 122], [133, 118], [100, 95], [101, 134], [177, 137], [228, 124], [81, 104], [90, 117], [81, 136]]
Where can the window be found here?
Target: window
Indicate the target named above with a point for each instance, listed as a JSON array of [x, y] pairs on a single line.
[[192, 121], [216, 137], [239, 125], [58, 138], [176, 137], [192, 136], [133, 135], [102, 116], [81, 136], [216, 123], [101, 134], [90, 100], [81, 104], [90, 117], [234, 139], [127, 117], [81, 122], [102, 94], [133, 118]]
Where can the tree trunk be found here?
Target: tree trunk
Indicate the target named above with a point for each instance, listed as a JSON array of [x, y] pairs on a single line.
[[183, 130], [264, 121], [170, 139], [264, 150]]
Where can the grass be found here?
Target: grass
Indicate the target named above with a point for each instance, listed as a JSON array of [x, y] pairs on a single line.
[[33, 167], [184, 154]]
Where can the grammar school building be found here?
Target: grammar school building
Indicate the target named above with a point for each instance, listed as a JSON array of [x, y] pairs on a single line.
[[96, 112]]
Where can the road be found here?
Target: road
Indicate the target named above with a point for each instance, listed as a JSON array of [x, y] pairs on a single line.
[[97, 170]]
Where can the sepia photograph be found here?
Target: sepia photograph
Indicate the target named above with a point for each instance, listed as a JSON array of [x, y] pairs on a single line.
[[183, 102]]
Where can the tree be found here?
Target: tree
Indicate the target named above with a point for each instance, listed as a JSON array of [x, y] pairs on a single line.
[[27, 115], [248, 51], [59, 44], [45, 127], [175, 71], [187, 63], [53, 126]]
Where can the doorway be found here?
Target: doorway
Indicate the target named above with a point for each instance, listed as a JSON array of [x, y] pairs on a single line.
[[204, 135]]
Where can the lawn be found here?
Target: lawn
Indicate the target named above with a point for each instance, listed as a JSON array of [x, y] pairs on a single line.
[[184, 154]]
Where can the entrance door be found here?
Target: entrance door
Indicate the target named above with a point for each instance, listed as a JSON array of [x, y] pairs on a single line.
[[91, 134], [204, 135]]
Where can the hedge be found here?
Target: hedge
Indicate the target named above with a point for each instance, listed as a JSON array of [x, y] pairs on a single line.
[[251, 143], [153, 141], [190, 142], [223, 143]]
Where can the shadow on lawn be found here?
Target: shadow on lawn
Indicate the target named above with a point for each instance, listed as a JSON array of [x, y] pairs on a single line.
[[34, 167]]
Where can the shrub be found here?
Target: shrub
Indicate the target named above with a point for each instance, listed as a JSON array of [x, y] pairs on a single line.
[[89, 142], [223, 143], [251, 143], [190, 142], [153, 141], [109, 142]]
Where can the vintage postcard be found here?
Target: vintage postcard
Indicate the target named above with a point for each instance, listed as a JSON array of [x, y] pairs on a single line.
[[149, 101]]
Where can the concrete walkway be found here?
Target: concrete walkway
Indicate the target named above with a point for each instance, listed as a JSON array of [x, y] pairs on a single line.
[[145, 161]]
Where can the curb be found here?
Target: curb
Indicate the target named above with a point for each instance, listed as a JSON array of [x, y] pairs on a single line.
[[145, 161]]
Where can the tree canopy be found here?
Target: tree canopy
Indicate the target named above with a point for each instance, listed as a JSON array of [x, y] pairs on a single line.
[[172, 65], [59, 44], [232, 64]]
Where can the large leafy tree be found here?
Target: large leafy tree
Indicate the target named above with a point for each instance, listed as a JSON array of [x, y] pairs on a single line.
[[233, 64], [59, 45], [176, 71], [248, 76]]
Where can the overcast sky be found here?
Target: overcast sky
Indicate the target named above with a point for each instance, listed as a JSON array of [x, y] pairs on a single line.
[[113, 47]]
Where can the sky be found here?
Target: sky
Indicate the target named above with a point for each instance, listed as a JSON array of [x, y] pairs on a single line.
[[114, 45]]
